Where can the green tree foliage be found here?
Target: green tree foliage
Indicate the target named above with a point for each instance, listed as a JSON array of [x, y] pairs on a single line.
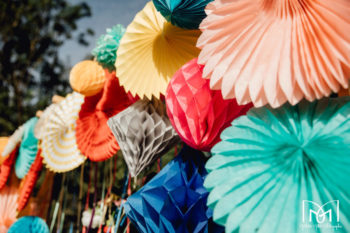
[[31, 31]]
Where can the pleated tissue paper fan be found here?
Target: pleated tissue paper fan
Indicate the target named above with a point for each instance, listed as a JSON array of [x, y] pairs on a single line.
[[29, 182], [59, 147], [186, 14], [8, 197], [175, 199], [107, 46], [3, 143], [27, 150], [197, 113], [272, 52], [151, 51], [29, 224], [87, 78], [282, 163], [144, 133], [39, 129], [6, 166], [14, 140], [94, 138]]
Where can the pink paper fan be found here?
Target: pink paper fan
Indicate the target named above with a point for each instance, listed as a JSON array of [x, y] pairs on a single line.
[[8, 203], [274, 51]]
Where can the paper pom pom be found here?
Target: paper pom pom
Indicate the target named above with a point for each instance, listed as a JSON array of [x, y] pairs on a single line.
[[186, 14], [197, 113], [175, 199], [6, 167], [29, 224], [107, 46], [271, 161], [96, 222], [94, 138], [59, 147], [29, 181], [8, 197], [271, 52], [27, 150], [87, 78], [144, 133], [13, 141], [151, 51]]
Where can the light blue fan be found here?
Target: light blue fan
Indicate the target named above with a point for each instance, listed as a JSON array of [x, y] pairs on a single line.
[[29, 224], [284, 170], [27, 150]]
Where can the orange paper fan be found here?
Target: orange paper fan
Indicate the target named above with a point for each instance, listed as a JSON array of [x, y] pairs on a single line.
[[274, 51], [6, 167], [3, 143], [94, 138]]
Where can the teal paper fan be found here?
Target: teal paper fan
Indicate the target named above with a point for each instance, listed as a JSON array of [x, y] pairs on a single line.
[[27, 150], [29, 224], [276, 168], [107, 46]]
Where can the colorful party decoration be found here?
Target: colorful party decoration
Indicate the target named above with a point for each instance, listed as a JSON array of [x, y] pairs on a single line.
[[175, 199], [96, 221], [3, 143], [27, 150], [151, 51], [39, 128], [59, 147], [13, 141], [107, 46], [144, 133], [8, 197], [186, 14], [30, 224], [87, 78], [197, 113], [271, 52], [6, 167], [94, 138], [279, 161]]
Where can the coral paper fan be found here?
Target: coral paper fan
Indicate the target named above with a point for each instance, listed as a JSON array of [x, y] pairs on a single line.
[[29, 181], [8, 197], [151, 51], [6, 167], [59, 147], [29, 224], [94, 138], [87, 78], [175, 199], [197, 113], [271, 52], [279, 161]]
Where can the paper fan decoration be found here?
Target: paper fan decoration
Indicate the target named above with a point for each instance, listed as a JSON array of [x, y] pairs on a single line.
[[273, 162], [144, 133], [3, 143], [197, 113], [151, 51], [29, 181], [13, 141], [107, 46], [8, 197], [175, 199], [186, 14], [27, 150], [59, 147], [6, 166], [271, 52], [29, 224], [87, 78], [94, 138], [39, 128]]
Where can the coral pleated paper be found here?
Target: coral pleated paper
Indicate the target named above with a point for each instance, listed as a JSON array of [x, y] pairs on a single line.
[[6, 166], [197, 113], [94, 138], [186, 14], [39, 129], [8, 197], [87, 78], [27, 150], [273, 165], [151, 51], [271, 52], [29, 181], [29, 224], [59, 147], [175, 199], [144, 133], [13, 141]]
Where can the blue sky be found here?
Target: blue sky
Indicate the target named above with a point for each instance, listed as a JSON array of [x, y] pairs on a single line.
[[105, 14]]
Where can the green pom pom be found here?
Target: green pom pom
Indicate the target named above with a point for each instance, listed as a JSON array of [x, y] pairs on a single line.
[[107, 46]]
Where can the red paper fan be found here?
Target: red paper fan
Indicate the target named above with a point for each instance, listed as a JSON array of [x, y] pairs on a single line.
[[94, 138], [197, 113], [6, 167], [29, 181]]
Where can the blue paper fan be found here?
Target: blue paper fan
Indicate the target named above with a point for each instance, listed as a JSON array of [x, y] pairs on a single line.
[[29, 224], [274, 167]]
